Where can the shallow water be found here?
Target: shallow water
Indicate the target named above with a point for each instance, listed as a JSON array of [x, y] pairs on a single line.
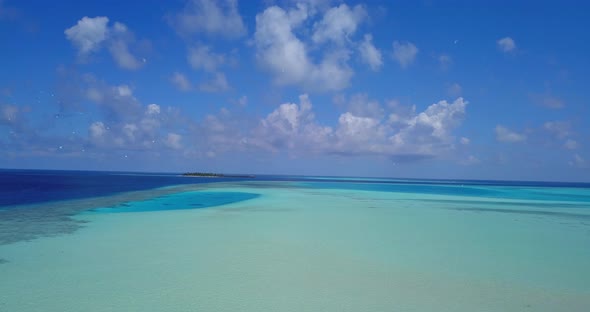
[[305, 246]]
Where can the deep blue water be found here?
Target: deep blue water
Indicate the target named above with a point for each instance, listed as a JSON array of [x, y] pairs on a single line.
[[19, 187]]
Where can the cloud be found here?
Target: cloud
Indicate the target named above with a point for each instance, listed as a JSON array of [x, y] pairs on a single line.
[[338, 24], [90, 34], [121, 37], [360, 105], [370, 54], [181, 82], [464, 141], [201, 57], [506, 44], [427, 134], [173, 140], [404, 53], [504, 134], [280, 51], [214, 18], [218, 83]]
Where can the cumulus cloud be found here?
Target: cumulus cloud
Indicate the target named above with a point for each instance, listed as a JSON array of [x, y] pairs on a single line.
[[404, 53], [285, 55], [90, 34], [506, 44], [504, 134], [123, 123], [370, 54], [181, 81], [338, 24], [214, 18], [412, 137]]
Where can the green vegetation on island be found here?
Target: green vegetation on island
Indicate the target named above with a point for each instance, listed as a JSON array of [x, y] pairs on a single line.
[[215, 175]]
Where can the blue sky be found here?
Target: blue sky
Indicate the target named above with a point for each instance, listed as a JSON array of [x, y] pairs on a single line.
[[422, 89]]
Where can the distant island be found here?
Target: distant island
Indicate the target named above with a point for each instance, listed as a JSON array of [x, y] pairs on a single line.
[[216, 175]]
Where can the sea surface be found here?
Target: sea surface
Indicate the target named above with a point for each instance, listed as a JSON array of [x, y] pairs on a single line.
[[120, 241]]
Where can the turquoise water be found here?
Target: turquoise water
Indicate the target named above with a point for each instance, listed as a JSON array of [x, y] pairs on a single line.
[[302, 246], [184, 200]]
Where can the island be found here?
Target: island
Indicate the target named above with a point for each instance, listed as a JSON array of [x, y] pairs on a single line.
[[216, 175]]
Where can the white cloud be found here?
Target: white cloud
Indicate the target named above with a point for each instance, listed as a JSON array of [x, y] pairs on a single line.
[[215, 18], [464, 141], [570, 144], [97, 131], [370, 54], [218, 83], [417, 136], [153, 109], [123, 90], [290, 126], [123, 57], [506, 44], [119, 47], [338, 24], [280, 51], [360, 105], [201, 57], [504, 134], [88, 34], [181, 82], [404, 53], [173, 140]]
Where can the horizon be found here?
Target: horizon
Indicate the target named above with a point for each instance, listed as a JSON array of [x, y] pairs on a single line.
[[399, 90], [254, 174]]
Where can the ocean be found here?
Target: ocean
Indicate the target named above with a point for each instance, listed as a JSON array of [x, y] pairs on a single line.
[[120, 241]]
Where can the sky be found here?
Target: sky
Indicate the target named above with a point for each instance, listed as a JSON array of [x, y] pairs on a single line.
[[409, 89]]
